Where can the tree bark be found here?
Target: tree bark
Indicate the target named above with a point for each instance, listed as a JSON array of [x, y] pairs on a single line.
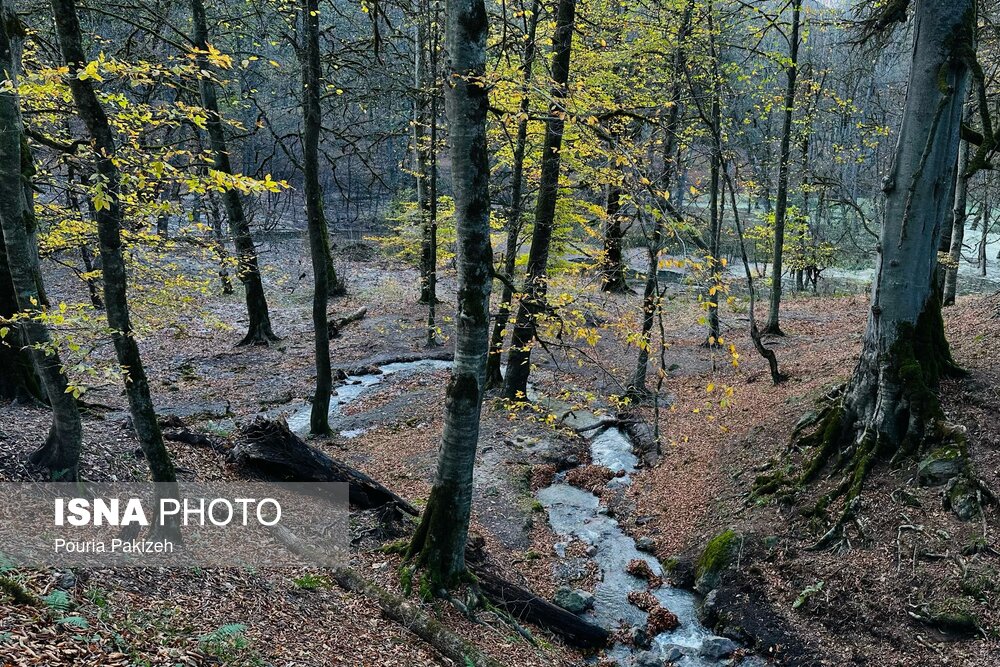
[[781, 204], [259, 331], [613, 266], [319, 418], [890, 408], [61, 451], [494, 378], [438, 545], [958, 219], [109, 224], [533, 292]]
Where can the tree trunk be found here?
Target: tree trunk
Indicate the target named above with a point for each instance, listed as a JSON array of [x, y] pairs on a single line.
[[494, 378], [61, 451], [432, 221], [613, 267], [651, 293], [109, 223], [319, 418], [958, 219], [716, 198], [781, 204], [259, 331], [890, 409], [533, 292], [421, 143], [438, 545]]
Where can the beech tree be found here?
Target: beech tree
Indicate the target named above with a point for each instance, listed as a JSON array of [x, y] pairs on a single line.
[[61, 451], [109, 224], [781, 203], [438, 545], [319, 419], [259, 331], [532, 303], [890, 408]]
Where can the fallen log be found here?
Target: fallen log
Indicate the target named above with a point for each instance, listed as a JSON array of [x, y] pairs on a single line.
[[269, 448], [335, 326], [407, 613], [524, 605], [189, 437]]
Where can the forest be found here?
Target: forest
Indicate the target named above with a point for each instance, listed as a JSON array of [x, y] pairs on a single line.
[[558, 332]]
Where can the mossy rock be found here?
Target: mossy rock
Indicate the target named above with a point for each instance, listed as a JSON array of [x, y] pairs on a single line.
[[955, 616], [961, 497], [719, 554], [941, 465]]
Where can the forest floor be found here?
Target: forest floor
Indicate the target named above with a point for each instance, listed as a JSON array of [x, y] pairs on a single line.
[[711, 454]]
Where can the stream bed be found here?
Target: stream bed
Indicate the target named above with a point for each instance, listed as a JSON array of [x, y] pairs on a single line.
[[577, 514]]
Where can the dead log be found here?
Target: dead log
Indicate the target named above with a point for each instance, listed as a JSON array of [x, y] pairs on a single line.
[[269, 448], [525, 606], [407, 613], [338, 324], [189, 437]]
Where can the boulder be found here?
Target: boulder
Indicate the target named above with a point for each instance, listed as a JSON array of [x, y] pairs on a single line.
[[573, 600], [717, 648]]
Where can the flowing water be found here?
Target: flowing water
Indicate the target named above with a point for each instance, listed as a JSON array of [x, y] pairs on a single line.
[[575, 513]]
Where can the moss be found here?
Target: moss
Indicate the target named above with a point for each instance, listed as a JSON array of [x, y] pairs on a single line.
[[718, 553], [954, 616]]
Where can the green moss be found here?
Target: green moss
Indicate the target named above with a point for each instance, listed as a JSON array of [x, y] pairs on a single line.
[[718, 553]]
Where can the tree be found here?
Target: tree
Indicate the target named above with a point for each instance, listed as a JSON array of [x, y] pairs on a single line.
[[533, 292], [259, 331], [781, 204], [61, 451], [438, 545], [890, 409], [319, 419], [109, 223], [494, 378]]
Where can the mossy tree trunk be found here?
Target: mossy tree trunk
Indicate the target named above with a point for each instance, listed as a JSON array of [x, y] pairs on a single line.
[[259, 331], [890, 409], [438, 545], [535, 283], [319, 418], [494, 378], [109, 224], [61, 451]]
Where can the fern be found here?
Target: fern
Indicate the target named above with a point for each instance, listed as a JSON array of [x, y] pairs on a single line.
[[58, 600], [75, 621], [224, 632]]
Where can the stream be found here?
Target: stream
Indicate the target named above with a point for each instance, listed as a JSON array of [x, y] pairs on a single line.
[[577, 514]]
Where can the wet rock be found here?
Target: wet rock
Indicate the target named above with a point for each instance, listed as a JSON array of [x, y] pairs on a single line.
[[647, 544], [573, 600], [753, 661], [648, 659], [708, 612], [717, 648], [636, 637], [590, 551], [672, 653]]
